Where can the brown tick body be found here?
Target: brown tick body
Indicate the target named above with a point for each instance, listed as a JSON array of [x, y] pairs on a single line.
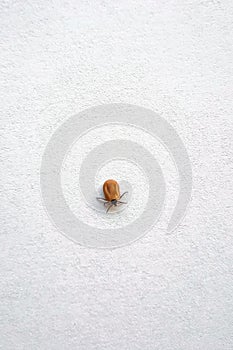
[[112, 194]]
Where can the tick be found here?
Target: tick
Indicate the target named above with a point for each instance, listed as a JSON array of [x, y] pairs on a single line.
[[112, 196]]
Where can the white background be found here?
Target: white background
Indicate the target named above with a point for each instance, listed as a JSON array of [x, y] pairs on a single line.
[[163, 292]]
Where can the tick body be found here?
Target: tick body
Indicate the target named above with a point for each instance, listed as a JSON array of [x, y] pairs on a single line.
[[111, 190], [112, 196]]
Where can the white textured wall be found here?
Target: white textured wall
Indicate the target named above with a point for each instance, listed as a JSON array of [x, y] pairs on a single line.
[[162, 292]]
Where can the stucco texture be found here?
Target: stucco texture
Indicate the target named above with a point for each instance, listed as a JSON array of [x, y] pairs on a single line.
[[165, 292]]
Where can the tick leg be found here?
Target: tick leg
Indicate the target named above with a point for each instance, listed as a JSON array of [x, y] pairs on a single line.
[[109, 208], [102, 199], [120, 202], [123, 194]]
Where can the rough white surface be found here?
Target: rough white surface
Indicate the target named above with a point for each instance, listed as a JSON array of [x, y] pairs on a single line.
[[163, 292]]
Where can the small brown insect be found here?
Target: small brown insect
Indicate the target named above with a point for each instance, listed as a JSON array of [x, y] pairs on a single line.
[[112, 194]]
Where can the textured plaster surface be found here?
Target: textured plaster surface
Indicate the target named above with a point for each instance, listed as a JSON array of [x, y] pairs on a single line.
[[163, 292]]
